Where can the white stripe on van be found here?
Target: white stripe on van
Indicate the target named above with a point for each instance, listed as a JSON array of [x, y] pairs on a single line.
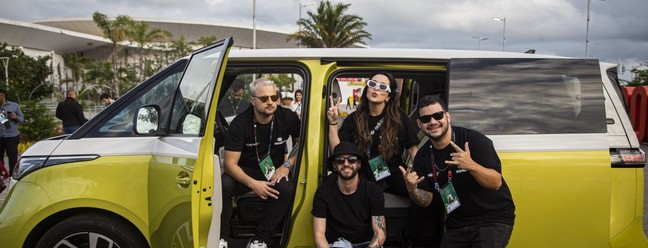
[[171, 146], [550, 142]]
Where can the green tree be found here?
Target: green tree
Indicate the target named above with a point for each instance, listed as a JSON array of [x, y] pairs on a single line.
[[331, 27], [640, 77], [205, 40], [76, 64], [26, 75], [116, 31], [39, 123], [283, 81], [143, 35], [180, 47]]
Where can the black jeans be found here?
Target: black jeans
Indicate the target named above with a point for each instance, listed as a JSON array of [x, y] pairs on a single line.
[[273, 214], [493, 235], [10, 146]]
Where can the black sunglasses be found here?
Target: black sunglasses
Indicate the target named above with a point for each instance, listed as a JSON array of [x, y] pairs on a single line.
[[351, 159], [274, 98], [427, 118]]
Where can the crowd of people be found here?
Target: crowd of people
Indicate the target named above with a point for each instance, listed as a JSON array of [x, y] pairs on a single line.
[[455, 181]]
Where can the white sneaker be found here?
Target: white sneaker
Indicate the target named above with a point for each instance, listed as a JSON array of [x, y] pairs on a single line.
[[222, 244], [256, 244]]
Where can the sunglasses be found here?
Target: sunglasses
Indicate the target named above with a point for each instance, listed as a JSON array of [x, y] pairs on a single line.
[[377, 85], [427, 118], [351, 159], [274, 98]]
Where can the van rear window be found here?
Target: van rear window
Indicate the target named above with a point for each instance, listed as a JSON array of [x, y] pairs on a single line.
[[527, 96]]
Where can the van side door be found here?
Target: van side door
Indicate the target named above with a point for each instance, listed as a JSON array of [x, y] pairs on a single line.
[[546, 118]]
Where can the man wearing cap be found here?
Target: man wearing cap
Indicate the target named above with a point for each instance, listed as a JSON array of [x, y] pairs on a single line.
[[256, 141], [348, 210]]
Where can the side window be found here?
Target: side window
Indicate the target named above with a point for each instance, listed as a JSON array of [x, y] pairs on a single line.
[[527, 96], [159, 92]]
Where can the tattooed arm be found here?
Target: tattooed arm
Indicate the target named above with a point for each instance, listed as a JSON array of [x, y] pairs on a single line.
[[380, 231], [421, 197]]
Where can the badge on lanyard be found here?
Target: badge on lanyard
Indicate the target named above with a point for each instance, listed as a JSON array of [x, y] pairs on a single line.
[[379, 168], [450, 198], [267, 167]]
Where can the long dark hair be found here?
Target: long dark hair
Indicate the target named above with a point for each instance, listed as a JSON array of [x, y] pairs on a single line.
[[392, 125]]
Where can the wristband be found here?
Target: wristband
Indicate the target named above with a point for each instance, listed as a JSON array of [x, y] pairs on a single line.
[[332, 124]]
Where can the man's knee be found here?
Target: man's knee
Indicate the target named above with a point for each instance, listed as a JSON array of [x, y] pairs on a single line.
[[285, 188]]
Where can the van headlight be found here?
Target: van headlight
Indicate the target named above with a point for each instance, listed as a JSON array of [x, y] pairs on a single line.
[[28, 165]]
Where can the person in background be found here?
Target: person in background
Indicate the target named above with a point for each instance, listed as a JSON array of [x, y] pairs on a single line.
[[70, 113], [9, 135], [461, 167], [106, 99], [296, 105], [348, 210], [234, 104]]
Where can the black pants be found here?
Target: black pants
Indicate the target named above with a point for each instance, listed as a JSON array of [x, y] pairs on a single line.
[[10, 146], [426, 224], [273, 214], [494, 235]]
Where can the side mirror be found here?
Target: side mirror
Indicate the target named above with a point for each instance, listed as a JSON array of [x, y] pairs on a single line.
[[147, 120]]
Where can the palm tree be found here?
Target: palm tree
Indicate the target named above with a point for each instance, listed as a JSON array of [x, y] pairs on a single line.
[[205, 40], [331, 27], [116, 32], [143, 35], [76, 64], [180, 47]]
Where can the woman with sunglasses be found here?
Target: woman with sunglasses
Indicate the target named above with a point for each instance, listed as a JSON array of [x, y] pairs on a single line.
[[380, 130]]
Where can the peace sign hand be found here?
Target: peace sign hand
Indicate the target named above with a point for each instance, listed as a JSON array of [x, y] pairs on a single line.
[[411, 178], [333, 113]]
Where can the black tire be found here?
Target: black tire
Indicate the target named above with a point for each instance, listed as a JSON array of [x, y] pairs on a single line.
[[79, 230]]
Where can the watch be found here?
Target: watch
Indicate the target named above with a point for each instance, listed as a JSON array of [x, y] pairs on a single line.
[[286, 164]]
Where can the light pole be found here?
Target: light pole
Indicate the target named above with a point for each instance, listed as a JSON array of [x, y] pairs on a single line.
[[587, 28], [479, 40], [302, 5], [253, 24], [503, 19], [5, 62]]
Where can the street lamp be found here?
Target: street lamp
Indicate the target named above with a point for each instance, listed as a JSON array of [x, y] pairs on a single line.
[[302, 5], [253, 24], [587, 27], [479, 40], [5, 62], [503, 19]]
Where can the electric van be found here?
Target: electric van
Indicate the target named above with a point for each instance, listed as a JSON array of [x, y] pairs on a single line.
[[146, 171]]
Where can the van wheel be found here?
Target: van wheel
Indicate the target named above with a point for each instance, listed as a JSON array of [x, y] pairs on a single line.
[[92, 231]]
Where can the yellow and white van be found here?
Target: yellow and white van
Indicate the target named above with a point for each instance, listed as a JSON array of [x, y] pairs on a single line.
[[146, 171]]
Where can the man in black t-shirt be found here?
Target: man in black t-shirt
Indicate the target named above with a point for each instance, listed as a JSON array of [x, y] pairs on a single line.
[[234, 104], [348, 209], [257, 137], [461, 164]]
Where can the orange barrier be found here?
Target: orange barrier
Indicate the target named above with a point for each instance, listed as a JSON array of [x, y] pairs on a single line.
[[637, 101]]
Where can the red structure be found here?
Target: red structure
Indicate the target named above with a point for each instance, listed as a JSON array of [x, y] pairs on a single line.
[[637, 101]]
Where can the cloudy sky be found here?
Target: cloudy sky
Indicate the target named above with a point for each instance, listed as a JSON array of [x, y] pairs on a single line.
[[617, 27]]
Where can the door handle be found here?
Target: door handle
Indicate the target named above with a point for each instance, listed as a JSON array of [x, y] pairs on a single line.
[[183, 179]]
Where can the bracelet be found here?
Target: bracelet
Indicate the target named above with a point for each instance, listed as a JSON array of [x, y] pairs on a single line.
[[332, 124]]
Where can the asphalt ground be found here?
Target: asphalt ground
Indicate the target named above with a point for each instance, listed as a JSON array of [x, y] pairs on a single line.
[[644, 147]]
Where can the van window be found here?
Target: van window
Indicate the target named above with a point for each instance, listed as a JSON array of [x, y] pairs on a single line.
[[527, 96], [158, 92]]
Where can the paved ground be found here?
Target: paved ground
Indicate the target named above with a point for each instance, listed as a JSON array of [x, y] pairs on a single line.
[[645, 217]]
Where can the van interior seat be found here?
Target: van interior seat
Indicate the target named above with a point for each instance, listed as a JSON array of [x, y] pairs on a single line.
[[396, 201]]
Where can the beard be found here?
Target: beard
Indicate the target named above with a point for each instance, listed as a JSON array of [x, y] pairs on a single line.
[[354, 172], [438, 137]]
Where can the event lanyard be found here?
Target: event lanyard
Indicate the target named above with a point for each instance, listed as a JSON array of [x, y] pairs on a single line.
[[435, 168], [371, 133], [257, 143], [235, 109]]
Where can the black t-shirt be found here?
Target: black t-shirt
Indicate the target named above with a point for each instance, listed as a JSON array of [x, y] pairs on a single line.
[[230, 108], [241, 136], [478, 204], [407, 137], [348, 216]]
